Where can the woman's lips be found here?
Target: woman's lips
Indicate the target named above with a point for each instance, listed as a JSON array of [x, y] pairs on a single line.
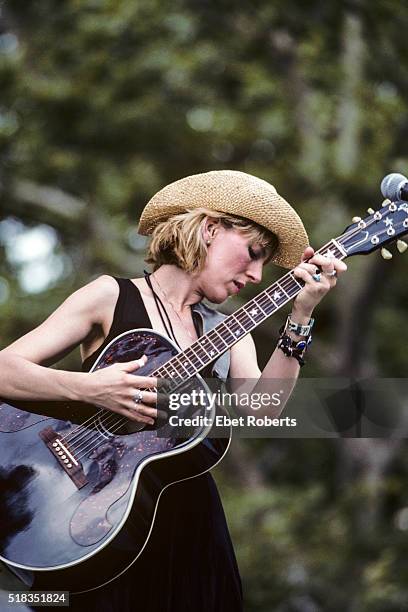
[[238, 285]]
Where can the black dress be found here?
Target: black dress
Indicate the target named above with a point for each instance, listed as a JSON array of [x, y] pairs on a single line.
[[188, 564]]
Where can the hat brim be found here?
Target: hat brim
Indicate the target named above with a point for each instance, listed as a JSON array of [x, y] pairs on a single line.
[[235, 193]]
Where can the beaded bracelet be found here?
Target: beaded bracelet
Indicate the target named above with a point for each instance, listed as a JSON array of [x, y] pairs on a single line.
[[293, 348]]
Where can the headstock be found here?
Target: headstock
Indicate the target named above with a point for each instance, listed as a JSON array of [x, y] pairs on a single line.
[[379, 228]]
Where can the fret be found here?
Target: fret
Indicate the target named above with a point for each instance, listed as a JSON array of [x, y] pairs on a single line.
[[244, 318], [216, 341], [333, 248], [288, 286], [185, 356], [277, 297], [258, 305], [174, 374], [209, 347], [158, 373], [202, 344], [218, 334], [200, 350], [298, 283], [340, 250], [255, 313], [165, 371], [237, 329], [279, 284], [225, 328], [179, 363], [239, 323], [253, 322], [191, 351], [267, 302], [170, 380]]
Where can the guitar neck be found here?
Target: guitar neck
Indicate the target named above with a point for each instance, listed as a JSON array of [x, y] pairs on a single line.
[[218, 340]]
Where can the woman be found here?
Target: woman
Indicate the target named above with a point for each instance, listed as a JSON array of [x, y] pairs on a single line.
[[211, 234]]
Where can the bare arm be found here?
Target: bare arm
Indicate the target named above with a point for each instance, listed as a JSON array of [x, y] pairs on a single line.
[[23, 371]]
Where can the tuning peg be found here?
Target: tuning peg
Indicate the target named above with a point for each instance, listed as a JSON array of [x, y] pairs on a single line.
[[386, 202], [386, 254], [370, 211], [402, 246], [356, 219]]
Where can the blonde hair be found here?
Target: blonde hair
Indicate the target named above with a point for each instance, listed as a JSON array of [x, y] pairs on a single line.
[[179, 240]]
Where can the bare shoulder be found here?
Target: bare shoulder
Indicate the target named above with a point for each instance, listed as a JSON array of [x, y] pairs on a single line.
[[96, 297]]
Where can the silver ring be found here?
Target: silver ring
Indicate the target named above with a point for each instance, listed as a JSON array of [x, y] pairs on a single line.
[[332, 273], [317, 277], [138, 397]]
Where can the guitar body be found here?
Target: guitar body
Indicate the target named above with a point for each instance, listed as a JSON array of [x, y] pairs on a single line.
[[78, 501]]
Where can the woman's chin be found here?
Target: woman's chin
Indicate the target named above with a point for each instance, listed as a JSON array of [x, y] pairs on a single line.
[[218, 297]]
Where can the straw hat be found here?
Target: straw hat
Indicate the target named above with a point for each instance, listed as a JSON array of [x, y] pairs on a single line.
[[235, 193]]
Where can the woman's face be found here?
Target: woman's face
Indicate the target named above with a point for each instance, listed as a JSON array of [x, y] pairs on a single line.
[[232, 262]]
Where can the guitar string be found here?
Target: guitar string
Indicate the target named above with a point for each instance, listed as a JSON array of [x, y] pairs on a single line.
[[110, 416], [73, 439]]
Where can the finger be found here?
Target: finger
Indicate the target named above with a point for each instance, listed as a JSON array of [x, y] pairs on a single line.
[[310, 268], [304, 274], [325, 265], [307, 254], [147, 396], [130, 366], [150, 382], [139, 418], [328, 263], [143, 409], [339, 265], [322, 261], [135, 416]]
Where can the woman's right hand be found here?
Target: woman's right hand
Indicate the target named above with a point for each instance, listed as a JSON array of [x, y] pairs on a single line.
[[115, 388]]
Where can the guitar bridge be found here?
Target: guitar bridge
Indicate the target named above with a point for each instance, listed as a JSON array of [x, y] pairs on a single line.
[[64, 456]]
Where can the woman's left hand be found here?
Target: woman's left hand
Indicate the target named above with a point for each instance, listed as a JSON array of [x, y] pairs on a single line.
[[314, 290]]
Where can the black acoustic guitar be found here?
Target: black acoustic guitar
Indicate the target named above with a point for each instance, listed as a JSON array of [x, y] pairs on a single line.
[[77, 499]]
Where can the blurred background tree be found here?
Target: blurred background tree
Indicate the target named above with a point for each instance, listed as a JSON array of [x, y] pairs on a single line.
[[105, 101]]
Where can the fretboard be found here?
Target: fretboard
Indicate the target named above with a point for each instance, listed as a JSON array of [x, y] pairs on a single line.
[[214, 343]]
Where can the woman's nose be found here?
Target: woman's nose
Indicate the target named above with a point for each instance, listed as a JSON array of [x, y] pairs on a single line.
[[254, 271]]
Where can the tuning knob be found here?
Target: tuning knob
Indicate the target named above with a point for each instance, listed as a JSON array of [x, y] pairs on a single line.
[[402, 246], [386, 202], [386, 254], [356, 219], [370, 211]]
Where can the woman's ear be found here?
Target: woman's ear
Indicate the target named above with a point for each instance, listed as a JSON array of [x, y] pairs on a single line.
[[210, 228]]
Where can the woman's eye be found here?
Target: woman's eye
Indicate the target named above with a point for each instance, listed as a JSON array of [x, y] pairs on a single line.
[[252, 253]]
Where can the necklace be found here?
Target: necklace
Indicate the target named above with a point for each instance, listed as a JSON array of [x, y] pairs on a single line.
[[164, 294]]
